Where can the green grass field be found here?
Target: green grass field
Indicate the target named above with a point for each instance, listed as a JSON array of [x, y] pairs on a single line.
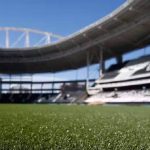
[[61, 127]]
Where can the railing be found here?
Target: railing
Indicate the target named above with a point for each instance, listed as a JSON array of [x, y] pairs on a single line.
[[51, 87]]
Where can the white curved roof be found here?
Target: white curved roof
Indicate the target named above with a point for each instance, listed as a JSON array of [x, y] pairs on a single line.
[[124, 30]]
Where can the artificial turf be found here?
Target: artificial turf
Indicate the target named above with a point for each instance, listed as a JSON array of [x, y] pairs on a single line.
[[61, 127]]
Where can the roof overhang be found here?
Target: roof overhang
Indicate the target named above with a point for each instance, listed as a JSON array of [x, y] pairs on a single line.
[[124, 30]]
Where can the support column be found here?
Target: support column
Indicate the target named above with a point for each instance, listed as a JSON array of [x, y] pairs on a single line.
[[48, 41], [53, 87], [10, 83], [88, 69], [102, 64], [53, 84], [42, 88], [145, 51], [31, 86], [76, 74], [20, 86], [1, 86], [119, 59], [27, 39], [7, 44]]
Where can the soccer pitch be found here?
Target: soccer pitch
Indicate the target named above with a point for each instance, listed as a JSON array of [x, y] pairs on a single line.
[[74, 127]]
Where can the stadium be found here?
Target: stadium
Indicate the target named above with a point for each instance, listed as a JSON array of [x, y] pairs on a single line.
[[110, 37], [124, 31]]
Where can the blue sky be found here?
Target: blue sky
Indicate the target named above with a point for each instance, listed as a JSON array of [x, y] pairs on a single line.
[[58, 16]]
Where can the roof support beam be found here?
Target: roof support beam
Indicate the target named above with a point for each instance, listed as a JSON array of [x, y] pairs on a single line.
[[27, 40], [7, 39]]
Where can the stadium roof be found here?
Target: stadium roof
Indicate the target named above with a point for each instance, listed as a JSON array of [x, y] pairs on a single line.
[[124, 30]]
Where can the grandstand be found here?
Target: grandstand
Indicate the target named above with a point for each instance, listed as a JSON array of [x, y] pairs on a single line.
[[124, 30], [128, 84], [42, 91]]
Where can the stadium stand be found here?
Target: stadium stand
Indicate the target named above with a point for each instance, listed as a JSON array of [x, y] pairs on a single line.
[[138, 68], [131, 83], [124, 30], [121, 97]]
